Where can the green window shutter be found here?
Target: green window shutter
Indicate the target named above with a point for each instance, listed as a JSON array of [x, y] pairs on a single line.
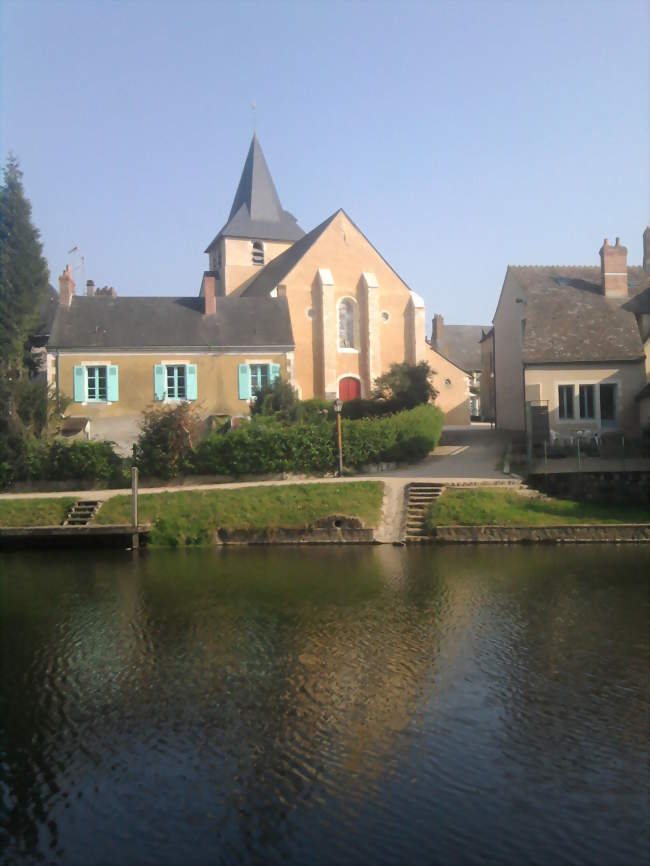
[[244, 382], [159, 376], [112, 390], [274, 372], [79, 384], [191, 389]]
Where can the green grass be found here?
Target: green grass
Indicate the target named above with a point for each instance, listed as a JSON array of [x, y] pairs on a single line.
[[484, 507], [193, 516], [34, 512]]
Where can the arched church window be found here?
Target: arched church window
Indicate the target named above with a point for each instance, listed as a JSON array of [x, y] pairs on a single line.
[[347, 324], [258, 253]]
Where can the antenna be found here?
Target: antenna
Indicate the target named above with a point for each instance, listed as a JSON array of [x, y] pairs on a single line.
[[78, 263]]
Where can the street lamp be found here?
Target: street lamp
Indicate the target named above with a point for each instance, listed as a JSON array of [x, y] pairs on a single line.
[[338, 405]]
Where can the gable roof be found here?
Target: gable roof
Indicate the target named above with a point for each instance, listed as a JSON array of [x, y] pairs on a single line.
[[460, 344], [569, 320], [148, 323], [256, 211], [278, 268]]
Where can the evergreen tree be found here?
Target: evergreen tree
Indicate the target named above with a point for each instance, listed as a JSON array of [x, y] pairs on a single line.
[[24, 274]]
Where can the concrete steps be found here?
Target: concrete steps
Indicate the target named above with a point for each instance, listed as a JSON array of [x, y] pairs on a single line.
[[420, 495], [82, 512]]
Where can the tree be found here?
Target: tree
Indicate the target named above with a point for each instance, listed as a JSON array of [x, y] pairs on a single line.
[[24, 273], [406, 385], [277, 398]]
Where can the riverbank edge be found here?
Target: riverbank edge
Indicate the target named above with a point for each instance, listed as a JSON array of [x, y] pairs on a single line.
[[577, 533]]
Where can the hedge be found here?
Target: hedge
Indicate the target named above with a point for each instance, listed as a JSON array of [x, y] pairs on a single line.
[[31, 459], [268, 446]]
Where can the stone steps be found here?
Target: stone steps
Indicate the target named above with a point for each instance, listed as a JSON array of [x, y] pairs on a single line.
[[420, 495], [82, 512]]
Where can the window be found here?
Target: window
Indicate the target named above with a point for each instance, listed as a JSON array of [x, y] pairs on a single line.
[[259, 376], [565, 401], [608, 405], [95, 383], [385, 315], [253, 377], [96, 387], [586, 396], [176, 382], [258, 253], [347, 310]]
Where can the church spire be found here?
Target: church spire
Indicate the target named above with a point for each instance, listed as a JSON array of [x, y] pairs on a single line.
[[256, 211]]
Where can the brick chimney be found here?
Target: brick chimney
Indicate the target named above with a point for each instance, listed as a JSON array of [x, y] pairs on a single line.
[[208, 290], [437, 330], [66, 287], [613, 269], [646, 250], [90, 288]]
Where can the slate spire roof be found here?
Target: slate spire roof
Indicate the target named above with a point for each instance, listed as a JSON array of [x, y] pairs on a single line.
[[256, 211]]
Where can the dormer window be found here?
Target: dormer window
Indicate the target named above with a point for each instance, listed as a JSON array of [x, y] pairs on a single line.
[[258, 253]]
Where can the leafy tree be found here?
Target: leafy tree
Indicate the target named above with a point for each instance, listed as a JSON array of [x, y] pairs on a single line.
[[167, 440], [23, 272], [406, 385], [277, 398]]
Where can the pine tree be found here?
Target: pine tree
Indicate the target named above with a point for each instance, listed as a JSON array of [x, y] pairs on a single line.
[[23, 272]]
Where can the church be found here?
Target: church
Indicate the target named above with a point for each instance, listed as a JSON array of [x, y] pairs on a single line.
[[322, 309]]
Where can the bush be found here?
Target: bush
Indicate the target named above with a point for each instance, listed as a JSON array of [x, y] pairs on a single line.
[[408, 385], [165, 447], [359, 408], [276, 398]]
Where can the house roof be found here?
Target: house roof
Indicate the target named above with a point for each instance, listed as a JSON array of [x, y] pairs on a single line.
[[569, 320], [256, 211], [147, 323], [278, 268], [460, 344]]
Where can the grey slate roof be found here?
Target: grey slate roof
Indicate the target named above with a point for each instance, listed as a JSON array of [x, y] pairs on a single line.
[[147, 323], [568, 319], [461, 344], [278, 268], [256, 211]]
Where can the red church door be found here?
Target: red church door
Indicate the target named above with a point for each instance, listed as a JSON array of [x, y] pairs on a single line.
[[349, 388]]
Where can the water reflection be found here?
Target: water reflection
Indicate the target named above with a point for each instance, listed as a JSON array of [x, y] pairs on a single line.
[[348, 705]]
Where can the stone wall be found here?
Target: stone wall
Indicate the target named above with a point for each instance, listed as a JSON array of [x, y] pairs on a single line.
[[575, 533]]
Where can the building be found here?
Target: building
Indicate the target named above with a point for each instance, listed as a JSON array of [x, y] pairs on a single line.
[[323, 309], [461, 345], [573, 342], [488, 381]]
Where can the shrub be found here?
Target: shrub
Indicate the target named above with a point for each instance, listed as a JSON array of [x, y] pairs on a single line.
[[359, 408], [408, 385], [165, 446], [275, 398]]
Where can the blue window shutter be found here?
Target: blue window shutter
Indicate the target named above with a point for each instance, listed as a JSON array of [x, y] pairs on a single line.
[[274, 372], [112, 391], [159, 376], [79, 384], [244, 382], [191, 389]]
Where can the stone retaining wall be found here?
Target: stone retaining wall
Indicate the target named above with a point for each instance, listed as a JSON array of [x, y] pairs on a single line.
[[621, 488], [570, 534], [336, 529]]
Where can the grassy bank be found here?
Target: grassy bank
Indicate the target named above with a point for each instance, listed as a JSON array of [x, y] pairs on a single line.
[[34, 512], [193, 516], [484, 507]]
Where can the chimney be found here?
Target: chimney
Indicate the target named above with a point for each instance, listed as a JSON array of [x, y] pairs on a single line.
[[437, 330], [646, 250], [208, 290], [66, 287], [613, 269], [90, 288]]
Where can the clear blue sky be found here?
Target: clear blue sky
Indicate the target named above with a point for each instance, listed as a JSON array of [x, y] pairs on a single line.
[[459, 136]]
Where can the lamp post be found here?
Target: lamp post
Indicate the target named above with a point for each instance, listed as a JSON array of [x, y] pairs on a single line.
[[338, 405]]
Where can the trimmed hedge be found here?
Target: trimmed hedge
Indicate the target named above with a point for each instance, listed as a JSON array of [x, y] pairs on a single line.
[[267, 446], [30, 459]]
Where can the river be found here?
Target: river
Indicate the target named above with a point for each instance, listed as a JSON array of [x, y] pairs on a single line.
[[344, 705]]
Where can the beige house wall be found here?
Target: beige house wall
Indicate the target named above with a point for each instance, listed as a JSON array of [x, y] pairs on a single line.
[[510, 412], [217, 380], [352, 262], [452, 385], [237, 260], [542, 384]]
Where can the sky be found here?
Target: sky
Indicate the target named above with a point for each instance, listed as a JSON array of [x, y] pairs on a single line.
[[459, 136]]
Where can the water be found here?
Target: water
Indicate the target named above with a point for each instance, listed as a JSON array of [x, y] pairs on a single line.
[[319, 706]]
